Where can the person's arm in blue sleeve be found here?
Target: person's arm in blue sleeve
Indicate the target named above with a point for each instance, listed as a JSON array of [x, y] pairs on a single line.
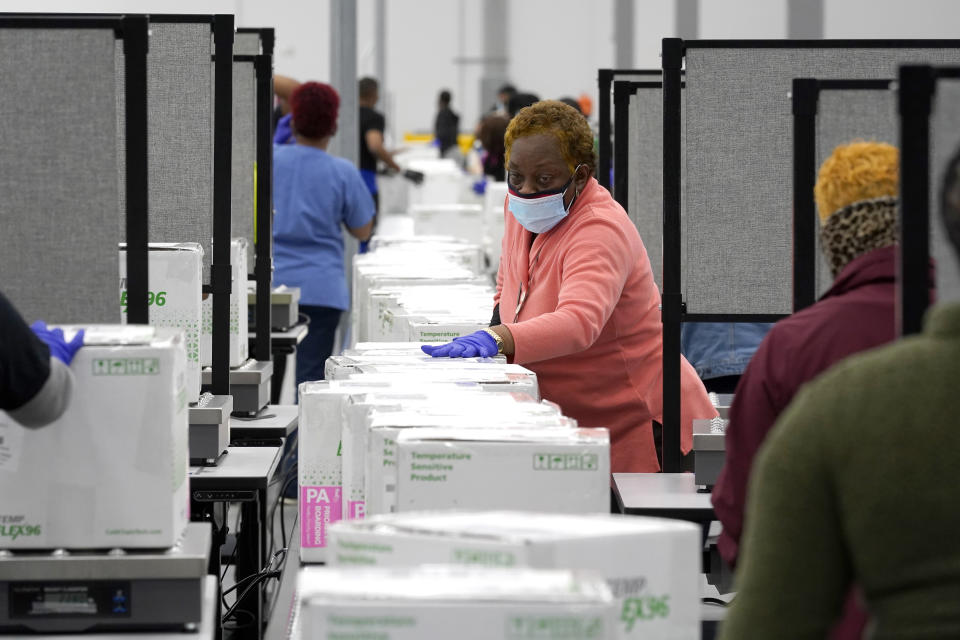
[[35, 378], [358, 211]]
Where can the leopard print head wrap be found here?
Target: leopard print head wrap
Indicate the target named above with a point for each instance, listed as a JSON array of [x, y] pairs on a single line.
[[858, 228]]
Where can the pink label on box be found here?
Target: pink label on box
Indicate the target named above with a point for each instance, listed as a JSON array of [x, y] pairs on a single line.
[[319, 508], [356, 509]]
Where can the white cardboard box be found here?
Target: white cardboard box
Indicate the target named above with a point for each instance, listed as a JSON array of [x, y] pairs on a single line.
[[239, 336], [466, 603], [381, 466], [508, 378], [355, 415], [555, 470], [341, 367], [320, 460], [112, 471], [651, 565], [441, 331], [176, 293], [321, 454]]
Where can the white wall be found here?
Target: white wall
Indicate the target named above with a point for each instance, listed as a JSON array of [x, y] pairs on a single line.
[[891, 18], [734, 19]]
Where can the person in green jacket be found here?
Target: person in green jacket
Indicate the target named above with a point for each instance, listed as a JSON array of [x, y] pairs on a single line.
[[856, 485]]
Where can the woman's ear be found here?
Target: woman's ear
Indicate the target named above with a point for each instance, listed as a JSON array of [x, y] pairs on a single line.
[[581, 177]]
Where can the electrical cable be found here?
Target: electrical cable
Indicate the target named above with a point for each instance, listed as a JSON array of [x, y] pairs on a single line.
[[283, 524], [276, 594], [268, 571], [272, 516]]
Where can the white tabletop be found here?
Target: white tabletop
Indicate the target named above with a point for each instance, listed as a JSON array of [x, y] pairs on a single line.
[[294, 334], [667, 492], [240, 463], [206, 630], [281, 417]]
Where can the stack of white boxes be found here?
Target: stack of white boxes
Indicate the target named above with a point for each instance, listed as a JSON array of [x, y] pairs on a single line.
[[651, 565], [353, 459], [494, 198], [420, 291]]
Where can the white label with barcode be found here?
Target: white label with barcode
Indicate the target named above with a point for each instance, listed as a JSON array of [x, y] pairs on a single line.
[[11, 444]]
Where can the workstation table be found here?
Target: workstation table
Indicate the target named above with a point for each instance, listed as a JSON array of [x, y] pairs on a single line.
[[282, 344], [244, 475]]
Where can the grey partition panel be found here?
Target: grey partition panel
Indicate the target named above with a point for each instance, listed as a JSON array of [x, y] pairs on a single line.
[[944, 143], [736, 217], [58, 174], [645, 198], [244, 157], [180, 134], [844, 116], [246, 44]]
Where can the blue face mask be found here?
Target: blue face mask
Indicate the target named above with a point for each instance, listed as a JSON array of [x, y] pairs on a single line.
[[541, 211]]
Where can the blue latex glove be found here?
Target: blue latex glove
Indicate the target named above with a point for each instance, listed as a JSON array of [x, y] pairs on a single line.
[[364, 246], [59, 347], [480, 186], [284, 133], [477, 344]]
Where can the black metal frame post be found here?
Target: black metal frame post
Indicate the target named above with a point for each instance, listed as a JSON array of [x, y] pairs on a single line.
[[916, 85], [621, 136], [604, 78], [604, 144], [806, 97], [135, 48], [622, 90], [672, 298], [263, 219], [804, 94], [220, 268]]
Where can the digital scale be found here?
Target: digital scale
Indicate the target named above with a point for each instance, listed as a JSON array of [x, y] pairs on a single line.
[[284, 307], [249, 385], [209, 428], [72, 591]]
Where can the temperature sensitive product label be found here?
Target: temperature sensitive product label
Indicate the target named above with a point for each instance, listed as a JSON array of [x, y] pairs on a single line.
[[319, 508]]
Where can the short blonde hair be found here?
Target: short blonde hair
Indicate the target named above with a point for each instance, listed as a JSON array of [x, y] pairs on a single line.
[[854, 172], [563, 122]]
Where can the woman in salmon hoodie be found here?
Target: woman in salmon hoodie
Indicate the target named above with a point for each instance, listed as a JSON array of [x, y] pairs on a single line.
[[576, 301]]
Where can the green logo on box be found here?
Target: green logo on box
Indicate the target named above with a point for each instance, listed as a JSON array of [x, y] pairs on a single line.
[[565, 462], [126, 366], [554, 628]]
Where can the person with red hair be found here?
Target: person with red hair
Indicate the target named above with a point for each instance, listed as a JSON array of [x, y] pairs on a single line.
[[316, 196]]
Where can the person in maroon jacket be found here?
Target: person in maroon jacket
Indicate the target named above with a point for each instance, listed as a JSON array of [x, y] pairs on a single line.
[[856, 195]]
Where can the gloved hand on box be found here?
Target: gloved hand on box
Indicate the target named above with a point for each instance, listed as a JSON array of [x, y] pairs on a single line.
[[480, 186], [54, 338], [477, 344]]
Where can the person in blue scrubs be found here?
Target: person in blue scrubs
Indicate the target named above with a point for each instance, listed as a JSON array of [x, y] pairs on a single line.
[[316, 196]]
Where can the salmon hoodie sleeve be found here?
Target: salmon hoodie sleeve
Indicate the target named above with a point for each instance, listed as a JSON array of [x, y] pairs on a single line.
[[595, 269]]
